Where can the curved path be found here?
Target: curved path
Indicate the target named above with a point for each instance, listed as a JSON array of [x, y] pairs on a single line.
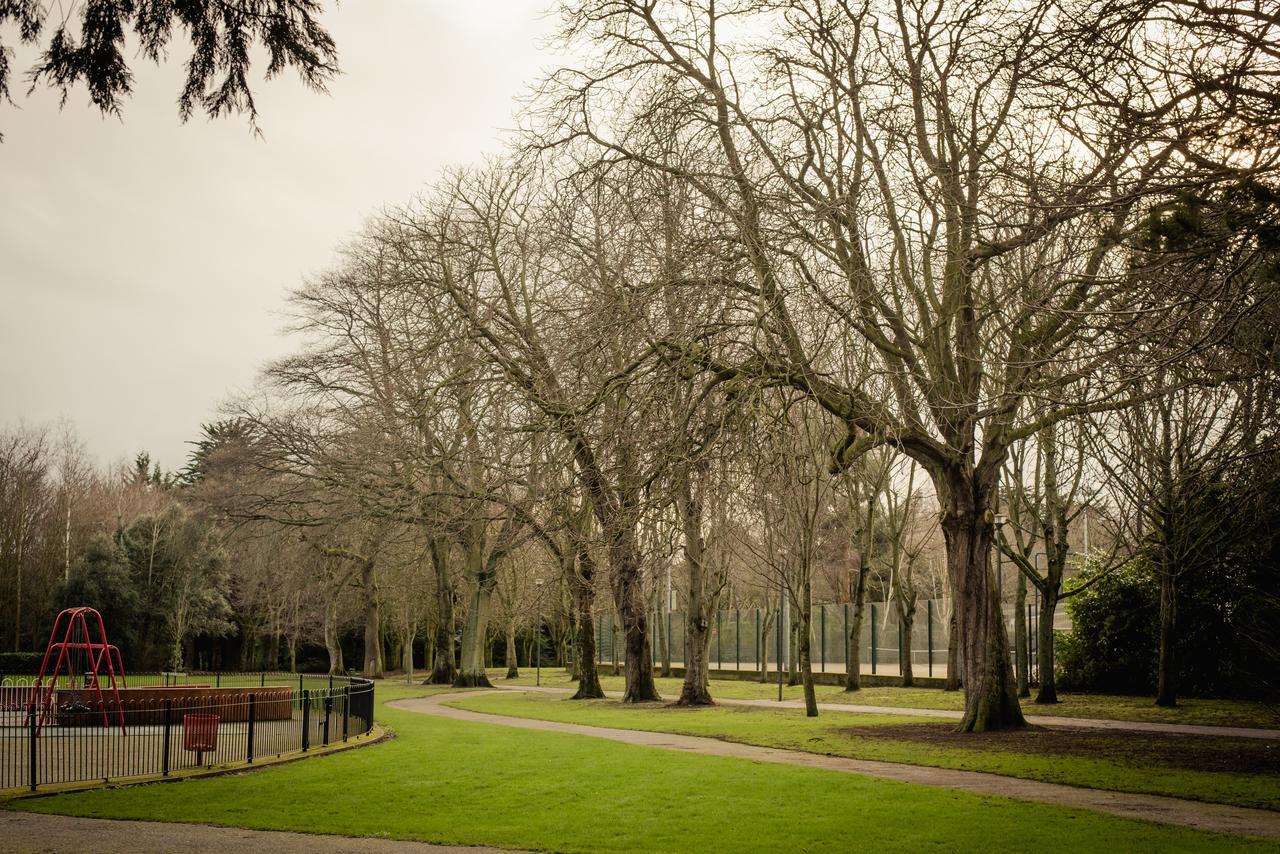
[[32, 832], [1194, 814]]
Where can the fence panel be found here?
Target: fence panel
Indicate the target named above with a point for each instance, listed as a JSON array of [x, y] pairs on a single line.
[[161, 725]]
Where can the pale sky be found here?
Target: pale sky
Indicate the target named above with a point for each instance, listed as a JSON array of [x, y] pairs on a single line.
[[144, 263]]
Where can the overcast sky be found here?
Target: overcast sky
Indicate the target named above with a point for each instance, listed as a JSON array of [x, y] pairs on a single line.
[[144, 263]]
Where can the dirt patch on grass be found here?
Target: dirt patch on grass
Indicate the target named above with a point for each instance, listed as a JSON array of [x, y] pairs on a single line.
[[1197, 753]]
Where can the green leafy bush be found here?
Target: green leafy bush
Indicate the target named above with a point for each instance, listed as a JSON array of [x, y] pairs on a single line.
[[13, 663], [1112, 646]]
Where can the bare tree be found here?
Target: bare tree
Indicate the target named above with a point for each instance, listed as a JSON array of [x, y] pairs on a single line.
[[886, 168]]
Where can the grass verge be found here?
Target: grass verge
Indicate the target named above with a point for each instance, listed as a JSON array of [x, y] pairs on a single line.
[[470, 783], [1241, 713], [1139, 768]]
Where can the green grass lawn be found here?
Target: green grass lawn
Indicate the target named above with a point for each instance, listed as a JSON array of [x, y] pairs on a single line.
[[469, 783], [1139, 770], [1123, 708]]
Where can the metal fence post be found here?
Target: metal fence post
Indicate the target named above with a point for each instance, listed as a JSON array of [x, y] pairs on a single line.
[[252, 716], [328, 711], [217, 679], [33, 741], [737, 637], [719, 657], [873, 639], [262, 680], [845, 631], [168, 722], [822, 618], [779, 663], [306, 720], [671, 649], [928, 603], [346, 710], [758, 638]]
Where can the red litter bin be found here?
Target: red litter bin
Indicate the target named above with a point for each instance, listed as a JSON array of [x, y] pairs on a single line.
[[200, 735]]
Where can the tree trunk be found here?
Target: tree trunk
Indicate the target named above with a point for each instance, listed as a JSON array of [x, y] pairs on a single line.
[[513, 671], [906, 622], [696, 690], [853, 666], [331, 644], [804, 636], [1021, 647], [406, 651], [443, 669], [272, 658], [953, 651], [582, 588], [1167, 674], [475, 634], [629, 600], [17, 598], [991, 697], [762, 632], [372, 623], [175, 656], [1044, 652]]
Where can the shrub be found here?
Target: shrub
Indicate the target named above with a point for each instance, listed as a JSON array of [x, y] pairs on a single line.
[[20, 663], [1115, 635]]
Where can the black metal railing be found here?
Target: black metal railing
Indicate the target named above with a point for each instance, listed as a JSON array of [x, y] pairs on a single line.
[[165, 723]]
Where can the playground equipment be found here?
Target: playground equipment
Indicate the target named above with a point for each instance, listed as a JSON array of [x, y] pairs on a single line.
[[79, 658]]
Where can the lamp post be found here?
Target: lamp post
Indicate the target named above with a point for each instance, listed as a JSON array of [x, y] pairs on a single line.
[[537, 583], [782, 610]]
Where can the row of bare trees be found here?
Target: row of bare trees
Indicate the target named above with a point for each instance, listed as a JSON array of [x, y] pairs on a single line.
[[752, 262], [769, 286]]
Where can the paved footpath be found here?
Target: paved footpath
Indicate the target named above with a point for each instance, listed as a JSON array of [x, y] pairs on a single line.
[[32, 832], [949, 714], [1202, 816]]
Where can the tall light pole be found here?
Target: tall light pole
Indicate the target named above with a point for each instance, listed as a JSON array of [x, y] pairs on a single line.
[[537, 583], [782, 610]]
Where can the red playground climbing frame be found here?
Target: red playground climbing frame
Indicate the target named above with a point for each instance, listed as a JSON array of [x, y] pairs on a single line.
[[78, 655]]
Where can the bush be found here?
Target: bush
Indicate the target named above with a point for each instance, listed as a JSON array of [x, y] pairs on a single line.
[[1115, 636], [1227, 641], [20, 663]]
